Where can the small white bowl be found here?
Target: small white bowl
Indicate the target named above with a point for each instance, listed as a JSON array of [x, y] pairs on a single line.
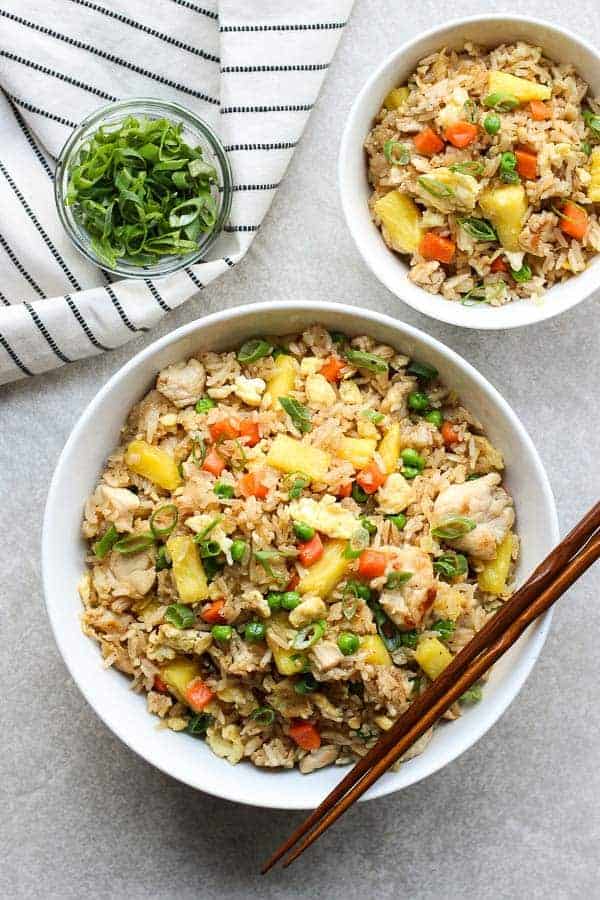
[[489, 31], [63, 551]]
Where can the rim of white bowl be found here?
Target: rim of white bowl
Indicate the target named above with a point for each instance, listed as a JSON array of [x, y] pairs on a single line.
[[513, 682], [452, 313]]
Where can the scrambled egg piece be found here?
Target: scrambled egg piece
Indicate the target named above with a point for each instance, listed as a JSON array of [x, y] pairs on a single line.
[[310, 365], [395, 495], [448, 191], [249, 390], [327, 516], [454, 111]]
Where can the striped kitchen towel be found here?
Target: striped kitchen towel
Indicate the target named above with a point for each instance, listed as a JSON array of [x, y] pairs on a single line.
[[253, 70]]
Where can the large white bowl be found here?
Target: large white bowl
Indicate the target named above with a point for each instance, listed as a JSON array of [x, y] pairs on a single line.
[[97, 433], [389, 267]]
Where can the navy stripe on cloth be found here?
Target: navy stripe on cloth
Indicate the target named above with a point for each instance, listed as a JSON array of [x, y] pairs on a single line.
[[157, 297], [30, 138], [46, 334], [314, 67], [84, 325], [198, 9], [19, 266], [282, 145], [314, 26], [41, 112], [60, 75], [14, 357], [122, 314], [194, 279]]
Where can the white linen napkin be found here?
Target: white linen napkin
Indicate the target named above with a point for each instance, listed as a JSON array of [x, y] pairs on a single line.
[[253, 70]]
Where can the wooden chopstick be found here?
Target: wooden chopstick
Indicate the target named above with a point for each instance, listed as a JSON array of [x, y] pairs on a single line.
[[494, 629]]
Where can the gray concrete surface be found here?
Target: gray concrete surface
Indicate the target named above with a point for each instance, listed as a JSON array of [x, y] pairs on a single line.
[[517, 816]]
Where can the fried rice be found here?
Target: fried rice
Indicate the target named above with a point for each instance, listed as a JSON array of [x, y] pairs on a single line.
[[463, 128], [290, 541]]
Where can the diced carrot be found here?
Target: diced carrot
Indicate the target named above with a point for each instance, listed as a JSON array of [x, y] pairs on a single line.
[[305, 734], [213, 613], [310, 551], [539, 110], [198, 695], [371, 478], [332, 368], [428, 142], [159, 685], [461, 134], [344, 490], [449, 435], [227, 429], [214, 463], [250, 485], [371, 564], [434, 246], [499, 265], [249, 430], [526, 163], [574, 220]]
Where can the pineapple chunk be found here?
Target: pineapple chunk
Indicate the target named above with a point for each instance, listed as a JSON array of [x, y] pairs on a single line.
[[389, 448], [291, 455], [374, 651], [432, 656], [323, 576], [594, 185], [521, 88], [188, 571], [506, 207], [282, 380], [178, 674], [154, 464], [492, 577], [288, 662], [396, 98], [400, 220], [358, 451], [318, 391]]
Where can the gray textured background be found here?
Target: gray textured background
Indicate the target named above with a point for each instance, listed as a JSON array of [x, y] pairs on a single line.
[[517, 816]]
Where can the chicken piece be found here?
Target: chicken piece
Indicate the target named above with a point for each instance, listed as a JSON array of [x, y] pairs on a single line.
[[133, 575], [396, 397], [182, 383], [310, 610], [325, 655], [105, 620], [388, 686], [158, 704], [117, 505], [240, 657], [274, 753], [316, 759], [488, 457], [407, 604], [487, 504]]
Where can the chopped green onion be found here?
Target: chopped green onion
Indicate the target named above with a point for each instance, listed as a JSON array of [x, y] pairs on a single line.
[[475, 296], [492, 124], [361, 359], [254, 631], [454, 528], [238, 550], [338, 337], [303, 531], [204, 404], [450, 565], [357, 543], [369, 526], [308, 637], [471, 167], [470, 108], [348, 643], [209, 548], [435, 417], [502, 102], [418, 401], [134, 543], [265, 557], [206, 531], [473, 695], [223, 491], [444, 627], [179, 615], [198, 724], [423, 371], [299, 414], [357, 589], [295, 484], [375, 417], [586, 147], [263, 714], [480, 229], [290, 600], [163, 560], [395, 580], [396, 154], [399, 520], [435, 187], [253, 350], [358, 495], [170, 510], [523, 274], [508, 168], [306, 684], [212, 565], [198, 452], [104, 545], [592, 121], [221, 632]]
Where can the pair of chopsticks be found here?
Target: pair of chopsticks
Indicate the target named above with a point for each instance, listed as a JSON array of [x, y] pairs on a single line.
[[561, 568]]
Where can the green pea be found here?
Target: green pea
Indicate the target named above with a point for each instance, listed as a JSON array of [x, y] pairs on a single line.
[[274, 600], [398, 520], [290, 599], [238, 549], [410, 472], [303, 531], [358, 494], [204, 405], [348, 643], [492, 123], [254, 631], [418, 401], [221, 632], [435, 417], [223, 490], [412, 459]]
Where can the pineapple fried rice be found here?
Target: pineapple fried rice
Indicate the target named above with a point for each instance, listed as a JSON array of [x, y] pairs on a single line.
[[290, 541], [485, 173]]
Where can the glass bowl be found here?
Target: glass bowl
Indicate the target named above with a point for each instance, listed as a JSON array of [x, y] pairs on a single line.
[[195, 131]]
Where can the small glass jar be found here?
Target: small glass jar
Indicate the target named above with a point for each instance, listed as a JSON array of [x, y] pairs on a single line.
[[196, 132]]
